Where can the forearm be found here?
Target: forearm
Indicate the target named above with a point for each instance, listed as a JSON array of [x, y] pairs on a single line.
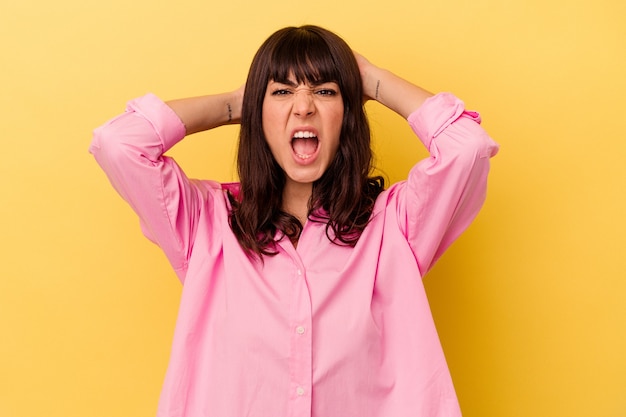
[[208, 112], [390, 90]]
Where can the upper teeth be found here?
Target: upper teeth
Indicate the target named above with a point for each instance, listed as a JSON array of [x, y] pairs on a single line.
[[304, 135]]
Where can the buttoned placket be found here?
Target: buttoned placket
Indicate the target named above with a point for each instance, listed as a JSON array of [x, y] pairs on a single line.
[[301, 342]]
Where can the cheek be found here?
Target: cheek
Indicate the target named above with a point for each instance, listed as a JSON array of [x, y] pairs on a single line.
[[271, 118], [272, 136], [270, 131], [337, 121], [268, 122], [338, 111]]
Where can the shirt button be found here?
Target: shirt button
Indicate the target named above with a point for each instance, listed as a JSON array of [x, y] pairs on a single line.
[[299, 272], [300, 391], [300, 329]]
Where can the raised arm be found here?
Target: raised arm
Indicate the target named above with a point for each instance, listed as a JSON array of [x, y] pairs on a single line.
[[130, 149], [444, 192]]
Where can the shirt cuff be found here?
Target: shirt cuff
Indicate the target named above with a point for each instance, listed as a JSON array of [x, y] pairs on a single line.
[[436, 114], [165, 122]]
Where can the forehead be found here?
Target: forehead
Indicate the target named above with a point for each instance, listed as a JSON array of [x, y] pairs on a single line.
[[312, 64]]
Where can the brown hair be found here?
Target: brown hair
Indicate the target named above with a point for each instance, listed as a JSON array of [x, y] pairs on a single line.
[[344, 196]]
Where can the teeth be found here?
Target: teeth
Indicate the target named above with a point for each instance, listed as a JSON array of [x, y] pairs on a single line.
[[303, 134]]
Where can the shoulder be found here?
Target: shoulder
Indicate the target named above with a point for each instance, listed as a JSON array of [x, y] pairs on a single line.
[[389, 197]]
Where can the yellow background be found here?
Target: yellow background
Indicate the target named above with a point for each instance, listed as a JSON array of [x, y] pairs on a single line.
[[530, 302]]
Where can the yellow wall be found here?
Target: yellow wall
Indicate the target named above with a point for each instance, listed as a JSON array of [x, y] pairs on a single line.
[[530, 303]]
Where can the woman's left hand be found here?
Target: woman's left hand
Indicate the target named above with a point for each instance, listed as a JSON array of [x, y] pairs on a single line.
[[387, 88], [366, 69]]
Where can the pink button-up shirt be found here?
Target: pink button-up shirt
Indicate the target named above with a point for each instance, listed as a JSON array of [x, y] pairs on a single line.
[[322, 330]]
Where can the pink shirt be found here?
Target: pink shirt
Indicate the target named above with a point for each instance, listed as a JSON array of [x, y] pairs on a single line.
[[321, 330]]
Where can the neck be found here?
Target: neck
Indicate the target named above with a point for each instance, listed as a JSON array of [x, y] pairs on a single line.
[[296, 200]]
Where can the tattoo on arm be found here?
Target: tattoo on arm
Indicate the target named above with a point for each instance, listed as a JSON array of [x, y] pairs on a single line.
[[230, 113], [377, 86]]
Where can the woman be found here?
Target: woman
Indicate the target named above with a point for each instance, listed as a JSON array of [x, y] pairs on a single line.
[[302, 284]]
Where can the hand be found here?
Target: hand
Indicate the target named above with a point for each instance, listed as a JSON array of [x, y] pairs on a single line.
[[237, 102], [370, 82], [382, 85]]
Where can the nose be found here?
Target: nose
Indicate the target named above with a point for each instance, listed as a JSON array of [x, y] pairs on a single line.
[[303, 103]]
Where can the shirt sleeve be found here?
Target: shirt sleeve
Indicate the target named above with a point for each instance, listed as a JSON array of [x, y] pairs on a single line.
[[129, 148], [444, 192]]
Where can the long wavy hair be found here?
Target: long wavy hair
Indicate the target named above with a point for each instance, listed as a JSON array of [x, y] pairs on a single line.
[[344, 196]]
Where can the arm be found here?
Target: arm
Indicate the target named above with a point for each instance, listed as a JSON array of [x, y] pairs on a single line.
[[208, 112], [130, 149], [445, 191]]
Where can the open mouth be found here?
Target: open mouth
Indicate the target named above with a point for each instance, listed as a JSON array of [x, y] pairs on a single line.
[[304, 144]]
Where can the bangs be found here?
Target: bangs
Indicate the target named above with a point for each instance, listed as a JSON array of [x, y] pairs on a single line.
[[305, 55]]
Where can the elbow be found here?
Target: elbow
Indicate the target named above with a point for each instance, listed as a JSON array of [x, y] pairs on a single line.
[[126, 137], [464, 147], [471, 139], [107, 146], [102, 141]]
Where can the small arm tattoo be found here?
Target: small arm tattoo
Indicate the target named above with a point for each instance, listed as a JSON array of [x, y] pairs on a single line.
[[230, 113], [377, 86]]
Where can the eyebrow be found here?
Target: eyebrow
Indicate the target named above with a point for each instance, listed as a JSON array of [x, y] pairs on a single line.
[[286, 82]]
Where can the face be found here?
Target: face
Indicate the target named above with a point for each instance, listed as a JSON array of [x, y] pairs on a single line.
[[302, 125]]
